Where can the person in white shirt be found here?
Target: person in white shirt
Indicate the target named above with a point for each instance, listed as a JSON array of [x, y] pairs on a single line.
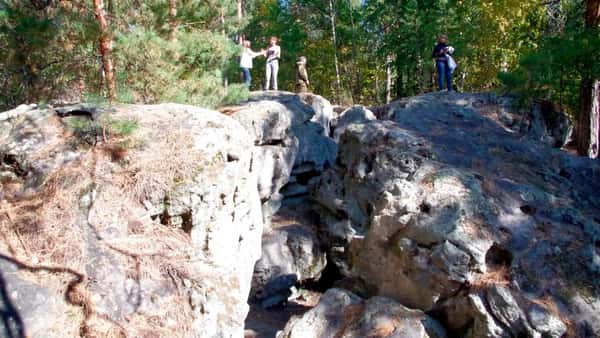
[[246, 61], [273, 55]]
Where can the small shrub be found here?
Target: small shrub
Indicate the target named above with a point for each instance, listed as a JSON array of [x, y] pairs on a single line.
[[90, 131], [95, 99], [84, 129], [121, 127], [235, 94]]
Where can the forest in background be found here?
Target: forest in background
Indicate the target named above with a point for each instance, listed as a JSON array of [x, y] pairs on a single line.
[[359, 51]]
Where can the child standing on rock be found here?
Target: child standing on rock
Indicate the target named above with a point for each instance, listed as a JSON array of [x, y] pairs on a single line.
[[301, 75]]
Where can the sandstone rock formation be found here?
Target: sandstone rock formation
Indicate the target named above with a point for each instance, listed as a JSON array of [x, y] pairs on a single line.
[[446, 209], [128, 221], [355, 114], [292, 146], [291, 135], [342, 314], [450, 215]]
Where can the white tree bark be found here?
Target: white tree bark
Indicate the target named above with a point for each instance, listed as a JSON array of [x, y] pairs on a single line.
[[334, 42], [388, 79], [240, 17], [595, 122]]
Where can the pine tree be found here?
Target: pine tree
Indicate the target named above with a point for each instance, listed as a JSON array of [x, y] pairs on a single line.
[[587, 139], [105, 48]]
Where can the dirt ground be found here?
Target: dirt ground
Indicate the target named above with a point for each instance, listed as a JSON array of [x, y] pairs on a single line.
[[264, 323]]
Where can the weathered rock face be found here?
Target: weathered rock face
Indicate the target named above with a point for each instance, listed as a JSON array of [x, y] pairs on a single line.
[[292, 145], [291, 134], [150, 223], [342, 314], [429, 233], [540, 121], [444, 201], [355, 114]]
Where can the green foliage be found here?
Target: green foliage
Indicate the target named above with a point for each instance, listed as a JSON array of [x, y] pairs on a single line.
[[152, 69], [562, 58], [44, 54], [85, 130], [52, 53], [142, 65], [121, 127], [90, 131], [488, 36]]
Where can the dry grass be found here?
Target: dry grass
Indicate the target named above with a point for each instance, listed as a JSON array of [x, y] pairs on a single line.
[[548, 303], [173, 320], [41, 227], [154, 172], [50, 227], [498, 276], [100, 327]]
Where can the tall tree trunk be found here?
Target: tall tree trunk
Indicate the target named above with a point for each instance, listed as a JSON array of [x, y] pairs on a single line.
[[588, 92], [334, 42], [595, 122], [173, 22], [240, 17], [388, 79], [222, 19], [377, 89], [592, 13], [357, 86], [105, 49]]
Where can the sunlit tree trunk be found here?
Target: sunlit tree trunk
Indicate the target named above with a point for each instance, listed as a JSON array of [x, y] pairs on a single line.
[[356, 59], [173, 22], [105, 49], [222, 19], [240, 17], [595, 122], [388, 79], [587, 117], [334, 42]]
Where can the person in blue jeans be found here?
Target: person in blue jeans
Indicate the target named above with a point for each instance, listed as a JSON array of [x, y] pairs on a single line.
[[246, 61], [440, 54]]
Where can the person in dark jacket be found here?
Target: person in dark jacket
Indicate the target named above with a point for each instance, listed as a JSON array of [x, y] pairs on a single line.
[[440, 54]]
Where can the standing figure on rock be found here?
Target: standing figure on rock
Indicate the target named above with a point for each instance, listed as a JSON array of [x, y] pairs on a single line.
[[246, 61], [301, 75], [444, 62], [273, 55]]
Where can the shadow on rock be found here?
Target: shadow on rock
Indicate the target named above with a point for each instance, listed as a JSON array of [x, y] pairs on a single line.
[[12, 324]]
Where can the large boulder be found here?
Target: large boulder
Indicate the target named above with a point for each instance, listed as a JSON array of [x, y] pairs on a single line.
[[444, 199], [422, 240], [340, 313], [290, 254], [128, 221]]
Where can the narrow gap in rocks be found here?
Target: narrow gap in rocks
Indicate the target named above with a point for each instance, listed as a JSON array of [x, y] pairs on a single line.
[[329, 277], [186, 222], [296, 211]]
